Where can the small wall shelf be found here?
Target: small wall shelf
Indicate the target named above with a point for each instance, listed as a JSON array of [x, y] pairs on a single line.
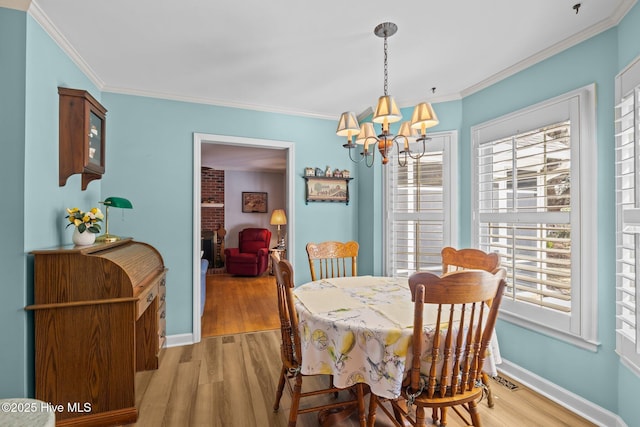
[[212, 205]]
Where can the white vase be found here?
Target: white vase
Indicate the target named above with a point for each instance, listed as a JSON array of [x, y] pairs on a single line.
[[83, 239]]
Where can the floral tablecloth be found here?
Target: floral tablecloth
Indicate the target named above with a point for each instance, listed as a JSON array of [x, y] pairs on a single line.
[[359, 329]]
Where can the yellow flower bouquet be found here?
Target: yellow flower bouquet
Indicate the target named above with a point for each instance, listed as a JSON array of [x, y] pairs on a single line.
[[85, 220]]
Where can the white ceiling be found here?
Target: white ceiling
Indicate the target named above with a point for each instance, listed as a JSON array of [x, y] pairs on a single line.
[[232, 157], [315, 59]]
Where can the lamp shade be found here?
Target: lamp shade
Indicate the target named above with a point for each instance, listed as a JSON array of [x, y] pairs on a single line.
[[387, 110], [118, 202], [348, 124], [278, 217], [408, 132], [367, 134], [424, 116]]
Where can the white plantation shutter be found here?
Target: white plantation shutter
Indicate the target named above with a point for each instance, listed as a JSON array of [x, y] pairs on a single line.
[[524, 209], [420, 220], [627, 128], [533, 203]]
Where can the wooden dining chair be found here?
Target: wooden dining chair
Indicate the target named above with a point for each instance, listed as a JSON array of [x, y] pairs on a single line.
[[452, 377], [468, 259], [291, 374], [333, 259], [471, 259]]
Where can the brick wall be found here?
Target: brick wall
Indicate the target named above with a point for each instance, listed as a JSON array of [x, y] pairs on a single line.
[[212, 191]]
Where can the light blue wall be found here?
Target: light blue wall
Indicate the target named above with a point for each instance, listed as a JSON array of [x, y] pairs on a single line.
[[33, 213], [47, 69], [150, 162], [369, 192], [628, 38], [13, 320]]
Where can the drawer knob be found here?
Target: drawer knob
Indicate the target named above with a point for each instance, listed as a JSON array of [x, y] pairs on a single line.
[[150, 297], [163, 314]]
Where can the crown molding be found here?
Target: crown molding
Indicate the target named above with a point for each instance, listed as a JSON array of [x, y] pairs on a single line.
[[216, 102], [432, 99], [49, 27], [565, 44], [622, 10]]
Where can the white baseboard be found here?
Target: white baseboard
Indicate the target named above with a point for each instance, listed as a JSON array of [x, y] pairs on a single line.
[[180, 339], [576, 404]]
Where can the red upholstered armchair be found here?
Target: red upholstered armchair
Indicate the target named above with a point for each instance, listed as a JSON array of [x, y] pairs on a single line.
[[251, 257]]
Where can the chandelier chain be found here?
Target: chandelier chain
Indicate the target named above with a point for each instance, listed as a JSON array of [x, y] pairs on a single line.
[[386, 77]]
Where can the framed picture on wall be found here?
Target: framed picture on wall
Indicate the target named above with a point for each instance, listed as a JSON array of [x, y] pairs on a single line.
[[254, 202], [323, 189]]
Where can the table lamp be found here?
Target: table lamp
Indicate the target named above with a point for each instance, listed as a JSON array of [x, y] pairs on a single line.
[[278, 218], [114, 202]]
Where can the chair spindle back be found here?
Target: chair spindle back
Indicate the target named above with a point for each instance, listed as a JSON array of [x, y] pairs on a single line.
[[333, 259], [290, 349], [465, 329], [468, 259]]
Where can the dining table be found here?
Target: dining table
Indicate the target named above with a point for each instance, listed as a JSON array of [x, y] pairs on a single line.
[[360, 329]]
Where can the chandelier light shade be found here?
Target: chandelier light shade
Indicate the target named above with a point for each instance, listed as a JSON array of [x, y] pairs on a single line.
[[387, 112], [367, 132], [408, 132], [423, 117], [348, 126]]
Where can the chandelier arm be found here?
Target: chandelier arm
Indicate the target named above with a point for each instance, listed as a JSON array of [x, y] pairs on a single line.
[[405, 144], [351, 158], [370, 143], [402, 155], [424, 148], [372, 154]]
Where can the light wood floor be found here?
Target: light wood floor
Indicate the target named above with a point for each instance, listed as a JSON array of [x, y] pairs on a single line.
[[239, 304], [230, 380]]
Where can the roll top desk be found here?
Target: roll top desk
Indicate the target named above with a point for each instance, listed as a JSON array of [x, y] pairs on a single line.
[[99, 317]]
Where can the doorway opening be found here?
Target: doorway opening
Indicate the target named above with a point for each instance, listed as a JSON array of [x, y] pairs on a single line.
[[225, 140]]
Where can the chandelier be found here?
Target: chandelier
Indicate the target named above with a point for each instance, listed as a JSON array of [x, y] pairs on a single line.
[[411, 133]]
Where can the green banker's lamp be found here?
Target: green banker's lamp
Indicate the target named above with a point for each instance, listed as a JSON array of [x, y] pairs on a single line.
[[114, 202]]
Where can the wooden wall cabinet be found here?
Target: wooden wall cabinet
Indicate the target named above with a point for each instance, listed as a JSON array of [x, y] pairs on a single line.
[[82, 125], [99, 318]]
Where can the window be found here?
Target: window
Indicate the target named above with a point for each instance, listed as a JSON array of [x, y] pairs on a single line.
[[627, 122], [421, 208], [533, 170]]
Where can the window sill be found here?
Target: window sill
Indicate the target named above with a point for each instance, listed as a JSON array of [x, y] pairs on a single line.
[[566, 337]]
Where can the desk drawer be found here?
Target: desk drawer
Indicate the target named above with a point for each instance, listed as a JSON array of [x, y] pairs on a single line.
[[162, 313], [162, 290], [146, 297], [162, 331]]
